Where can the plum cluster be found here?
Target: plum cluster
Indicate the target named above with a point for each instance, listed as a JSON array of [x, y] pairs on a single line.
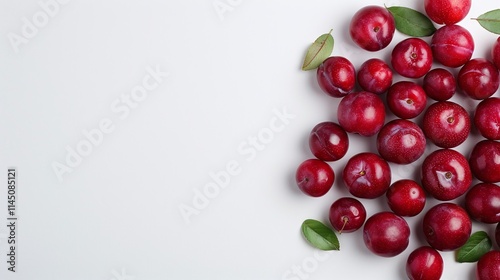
[[445, 174]]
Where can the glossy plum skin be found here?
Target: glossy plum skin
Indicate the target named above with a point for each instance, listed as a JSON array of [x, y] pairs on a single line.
[[401, 141], [361, 112], [452, 45], [374, 75], [487, 118], [488, 266], [336, 76], [446, 226], [386, 234], [367, 175], [497, 234], [483, 161], [314, 177], [446, 174], [495, 53], [412, 58], [328, 141], [406, 99], [482, 202], [439, 84], [347, 214], [424, 263], [447, 11], [372, 28], [446, 124], [478, 78], [406, 198]]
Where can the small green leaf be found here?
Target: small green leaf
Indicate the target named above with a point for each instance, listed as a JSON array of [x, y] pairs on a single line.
[[490, 21], [319, 235], [478, 244], [412, 22], [320, 50]]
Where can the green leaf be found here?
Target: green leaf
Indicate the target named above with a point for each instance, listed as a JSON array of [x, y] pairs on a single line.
[[320, 50], [412, 22], [490, 21], [319, 235], [478, 244]]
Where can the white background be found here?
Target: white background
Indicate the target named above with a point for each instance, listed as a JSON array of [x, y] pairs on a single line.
[[116, 214]]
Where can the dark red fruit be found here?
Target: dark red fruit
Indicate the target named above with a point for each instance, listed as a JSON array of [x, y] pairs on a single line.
[[447, 11], [375, 76], [361, 112], [488, 266], [447, 226], [336, 76], [406, 198], [372, 28], [446, 174], [328, 141], [424, 263], [439, 84], [446, 124], [482, 202], [484, 161], [367, 175], [478, 78], [412, 58], [314, 177], [401, 141], [452, 45], [347, 214], [386, 234], [487, 118], [406, 99], [495, 53]]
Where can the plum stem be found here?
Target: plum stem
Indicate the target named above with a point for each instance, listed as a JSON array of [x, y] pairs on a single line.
[[345, 220]]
